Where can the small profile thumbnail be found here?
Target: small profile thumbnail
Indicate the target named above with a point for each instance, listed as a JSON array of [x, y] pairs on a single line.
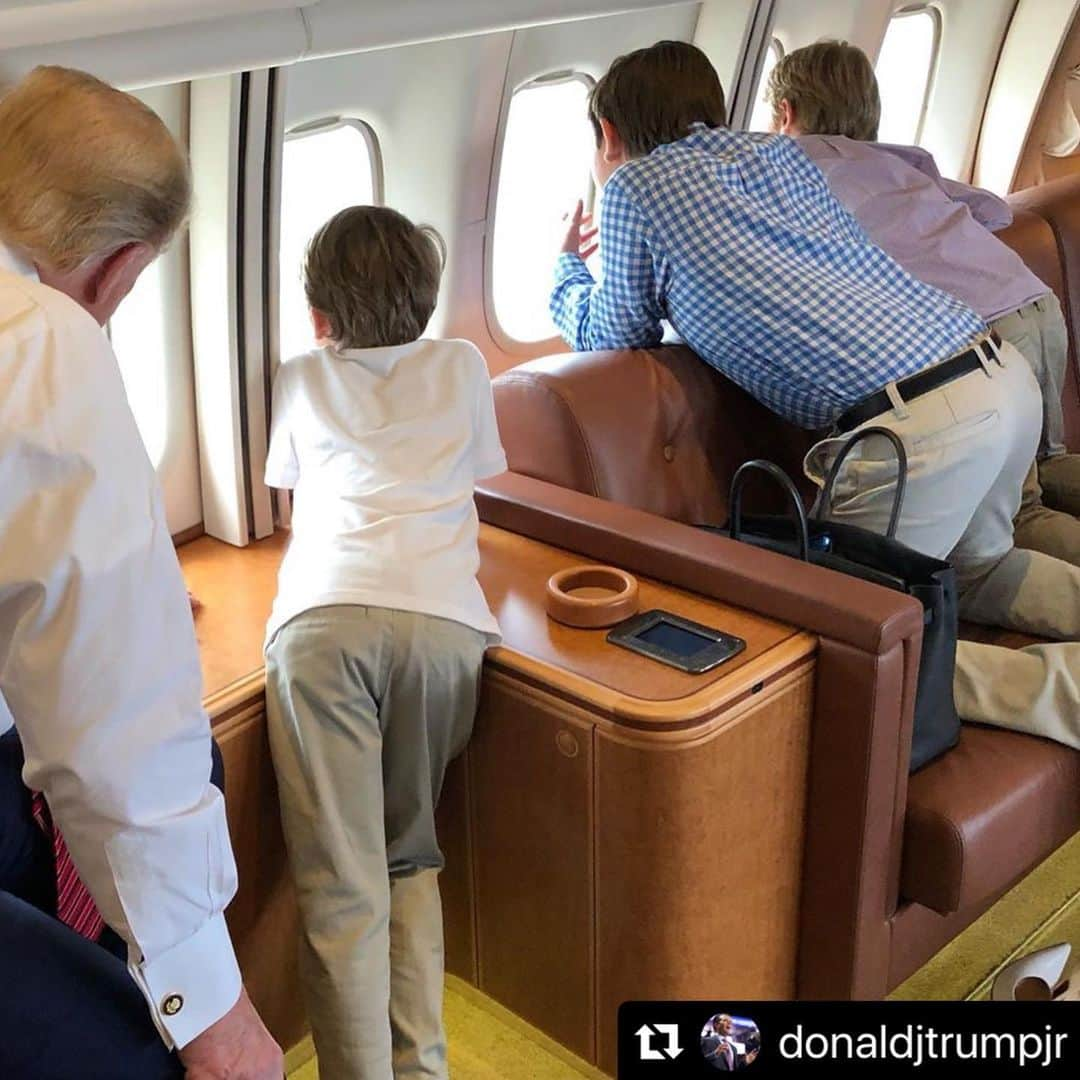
[[730, 1043]]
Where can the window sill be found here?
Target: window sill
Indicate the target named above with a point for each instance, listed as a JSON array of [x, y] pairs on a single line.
[[235, 587]]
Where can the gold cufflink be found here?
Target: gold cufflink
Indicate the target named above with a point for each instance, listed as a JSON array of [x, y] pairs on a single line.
[[172, 1004]]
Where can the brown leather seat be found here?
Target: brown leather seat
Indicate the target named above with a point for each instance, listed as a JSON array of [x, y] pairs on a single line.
[[997, 802], [655, 429], [1000, 799], [660, 431]]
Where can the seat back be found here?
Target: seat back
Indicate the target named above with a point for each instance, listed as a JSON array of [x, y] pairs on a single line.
[[1046, 235], [655, 429]]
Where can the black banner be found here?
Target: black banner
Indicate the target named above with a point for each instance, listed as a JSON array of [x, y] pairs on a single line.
[[990, 1040]]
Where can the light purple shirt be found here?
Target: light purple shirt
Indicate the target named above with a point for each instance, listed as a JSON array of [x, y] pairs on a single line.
[[938, 230]]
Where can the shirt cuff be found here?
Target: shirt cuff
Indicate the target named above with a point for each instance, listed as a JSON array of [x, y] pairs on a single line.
[[284, 478], [570, 265], [191, 986]]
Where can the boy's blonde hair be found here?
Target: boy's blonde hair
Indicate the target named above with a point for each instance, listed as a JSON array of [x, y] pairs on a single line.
[[85, 169], [374, 275], [832, 87]]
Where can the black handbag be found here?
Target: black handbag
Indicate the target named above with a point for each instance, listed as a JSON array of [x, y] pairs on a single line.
[[883, 560]]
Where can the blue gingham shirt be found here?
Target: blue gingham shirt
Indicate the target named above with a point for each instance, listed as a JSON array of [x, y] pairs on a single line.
[[736, 240]]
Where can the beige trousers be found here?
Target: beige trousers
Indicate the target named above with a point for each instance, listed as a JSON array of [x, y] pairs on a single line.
[[1047, 520], [366, 707], [1034, 690], [970, 445]]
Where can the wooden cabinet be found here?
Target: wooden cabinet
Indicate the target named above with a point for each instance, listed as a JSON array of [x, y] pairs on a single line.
[[627, 830], [616, 828], [263, 918]]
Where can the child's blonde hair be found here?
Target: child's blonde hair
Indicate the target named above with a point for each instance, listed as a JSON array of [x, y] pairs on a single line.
[[374, 275], [85, 169]]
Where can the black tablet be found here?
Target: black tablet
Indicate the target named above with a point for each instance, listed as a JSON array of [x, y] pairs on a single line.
[[683, 644]]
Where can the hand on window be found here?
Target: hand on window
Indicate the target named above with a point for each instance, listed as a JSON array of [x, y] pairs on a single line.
[[580, 235]]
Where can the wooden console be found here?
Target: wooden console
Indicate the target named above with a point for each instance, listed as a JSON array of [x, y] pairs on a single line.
[[616, 828]]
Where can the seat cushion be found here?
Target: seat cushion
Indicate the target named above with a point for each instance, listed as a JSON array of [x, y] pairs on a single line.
[[983, 815]]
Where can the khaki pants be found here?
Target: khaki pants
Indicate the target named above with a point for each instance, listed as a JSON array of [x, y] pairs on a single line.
[[1034, 690], [366, 707], [970, 444], [1047, 520]]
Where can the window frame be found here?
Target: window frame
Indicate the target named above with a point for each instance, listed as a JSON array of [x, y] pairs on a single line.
[[324, 125], [771, 43], [321, 126], [505, 340], [934, 13]]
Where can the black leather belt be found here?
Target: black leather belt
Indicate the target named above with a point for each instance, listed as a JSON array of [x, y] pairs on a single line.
[[922, 382]]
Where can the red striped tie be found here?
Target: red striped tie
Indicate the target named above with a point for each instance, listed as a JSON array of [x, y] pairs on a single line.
[[75, 906]]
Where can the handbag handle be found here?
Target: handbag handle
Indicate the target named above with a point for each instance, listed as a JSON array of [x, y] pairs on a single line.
[[738, 481], [824, 503]]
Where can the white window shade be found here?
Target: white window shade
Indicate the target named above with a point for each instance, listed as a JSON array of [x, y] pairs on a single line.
[[761, 118], [140, 339], [546, 155], [903, 70], [322, 171], [151, 336], [43, 22]]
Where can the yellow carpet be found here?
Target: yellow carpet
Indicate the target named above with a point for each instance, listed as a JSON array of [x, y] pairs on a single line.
[[1044, 909], [486, 1042]]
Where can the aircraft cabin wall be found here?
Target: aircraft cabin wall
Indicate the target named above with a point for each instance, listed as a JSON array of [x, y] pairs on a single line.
[[1053, 145], [151, 335], [442, 140], [479, 130], [161, 41]]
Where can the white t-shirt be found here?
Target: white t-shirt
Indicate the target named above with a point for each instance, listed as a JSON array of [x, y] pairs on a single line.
[[384, 447]]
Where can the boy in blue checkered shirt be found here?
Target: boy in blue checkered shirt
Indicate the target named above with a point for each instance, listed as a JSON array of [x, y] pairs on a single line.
[[737, 241]]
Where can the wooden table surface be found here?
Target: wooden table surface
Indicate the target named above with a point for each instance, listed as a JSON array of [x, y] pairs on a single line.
[[236, 588]]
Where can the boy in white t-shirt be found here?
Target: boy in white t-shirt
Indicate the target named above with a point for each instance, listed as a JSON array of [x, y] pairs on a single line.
[[377, 634]]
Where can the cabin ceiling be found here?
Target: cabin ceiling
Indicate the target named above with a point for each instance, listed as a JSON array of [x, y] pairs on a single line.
[[122, 40]]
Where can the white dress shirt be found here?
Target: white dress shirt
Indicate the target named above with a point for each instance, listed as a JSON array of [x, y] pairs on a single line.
[[384, 448], [99, 668]]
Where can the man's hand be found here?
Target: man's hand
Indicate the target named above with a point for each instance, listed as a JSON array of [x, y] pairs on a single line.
[[579, 233], [237, 1047]]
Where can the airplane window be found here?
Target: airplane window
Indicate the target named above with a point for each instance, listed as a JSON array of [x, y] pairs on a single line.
[[903, 71], [140, 339], [761, 118], [323, 170], [547, 151]]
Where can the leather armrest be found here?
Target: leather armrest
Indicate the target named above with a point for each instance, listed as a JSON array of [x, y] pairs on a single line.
[[857, 613]]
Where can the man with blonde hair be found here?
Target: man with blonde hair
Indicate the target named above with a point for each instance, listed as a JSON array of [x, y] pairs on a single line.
[[735, 239], [940, 231], [99, 669], [826, 96]]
